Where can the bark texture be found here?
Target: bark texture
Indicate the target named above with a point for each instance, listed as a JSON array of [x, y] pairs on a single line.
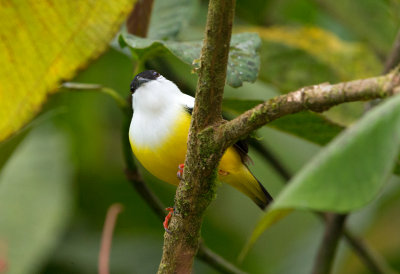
[[317, 98], [196, 191]]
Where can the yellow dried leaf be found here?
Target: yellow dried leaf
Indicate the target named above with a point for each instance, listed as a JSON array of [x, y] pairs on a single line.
[[44, 42], [349, 59]]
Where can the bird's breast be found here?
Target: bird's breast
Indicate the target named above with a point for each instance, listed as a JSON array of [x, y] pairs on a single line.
[[159, 143]]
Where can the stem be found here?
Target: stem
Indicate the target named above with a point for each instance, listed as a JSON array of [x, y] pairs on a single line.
[[372, 260], [121, 102], [106, 239], [394, 57], [334, 226], [272, 159], [211, 258]]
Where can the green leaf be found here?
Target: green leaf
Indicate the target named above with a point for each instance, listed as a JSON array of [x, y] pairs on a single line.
[[243, 63], [35, 200], [345, 175], [168, 17], [307, 125], [8, 146]]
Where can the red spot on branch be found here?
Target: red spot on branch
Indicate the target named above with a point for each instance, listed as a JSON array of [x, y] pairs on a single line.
[[3, 265]]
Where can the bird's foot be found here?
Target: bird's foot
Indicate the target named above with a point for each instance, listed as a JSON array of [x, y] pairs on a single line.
[[179, 174], [167, 218]]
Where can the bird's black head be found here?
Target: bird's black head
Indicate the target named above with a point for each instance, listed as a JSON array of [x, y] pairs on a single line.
[[142, 78]]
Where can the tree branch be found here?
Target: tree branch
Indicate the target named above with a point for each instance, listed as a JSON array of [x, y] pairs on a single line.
[[138, 21], [316, 98], [372, 260], [334, 226], [197, 190]]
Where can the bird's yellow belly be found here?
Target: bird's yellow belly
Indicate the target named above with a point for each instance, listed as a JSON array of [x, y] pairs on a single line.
[[162, 161]]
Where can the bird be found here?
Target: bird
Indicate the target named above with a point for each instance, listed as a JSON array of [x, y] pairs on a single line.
[[158, 136]]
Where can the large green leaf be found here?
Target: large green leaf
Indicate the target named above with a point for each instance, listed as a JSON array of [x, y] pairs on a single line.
[[168, 17], [45, 42], [307, 125], [35, 200], [348, 173], [8, 146], [243, 61]]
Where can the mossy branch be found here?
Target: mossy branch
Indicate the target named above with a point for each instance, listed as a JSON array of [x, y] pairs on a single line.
[[317, 98], [196, 191]]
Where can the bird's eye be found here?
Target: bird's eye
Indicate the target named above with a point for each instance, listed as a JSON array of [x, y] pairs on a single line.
[[156, 74]]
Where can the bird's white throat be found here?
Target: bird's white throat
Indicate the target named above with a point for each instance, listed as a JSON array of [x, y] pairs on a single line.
[[157, 106]]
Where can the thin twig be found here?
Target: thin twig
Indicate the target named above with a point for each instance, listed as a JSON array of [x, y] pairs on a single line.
[[371, 259], [106, 238], [392, 60], [334, 227], [394, 57], [122, 104], [211, 258], [271, 159]]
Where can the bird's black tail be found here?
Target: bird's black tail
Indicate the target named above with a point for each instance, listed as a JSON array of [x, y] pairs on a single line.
[[268, 198], [259, 194]]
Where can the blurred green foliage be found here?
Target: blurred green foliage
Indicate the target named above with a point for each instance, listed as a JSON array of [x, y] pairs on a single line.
[[59, 180]]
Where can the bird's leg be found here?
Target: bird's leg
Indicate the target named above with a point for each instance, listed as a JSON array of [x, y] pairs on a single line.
[[167, 218], [179, 174]]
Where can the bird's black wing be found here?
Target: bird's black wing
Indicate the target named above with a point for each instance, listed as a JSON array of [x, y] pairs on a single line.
[[240, 146], [188, 109]]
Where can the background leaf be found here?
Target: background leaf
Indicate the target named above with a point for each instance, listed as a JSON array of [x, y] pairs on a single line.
[[168, 17], [298, 56], [348, 173], [53, 40], [243, 61], [35, 200]]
